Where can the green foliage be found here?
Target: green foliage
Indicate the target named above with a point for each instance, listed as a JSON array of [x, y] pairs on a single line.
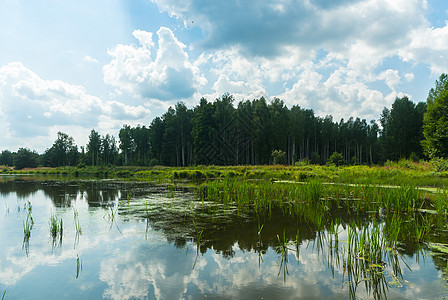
[[336, 159], [7, 158], [435, 127], [302, 162], [153, 162], [25, 158], [440, 164], [315, 158], [64, 152], [402, 129], [414, 157], [279, 157]]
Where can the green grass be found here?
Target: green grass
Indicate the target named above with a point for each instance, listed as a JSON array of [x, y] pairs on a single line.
[[78, 228], [56, 229], [423, 174]]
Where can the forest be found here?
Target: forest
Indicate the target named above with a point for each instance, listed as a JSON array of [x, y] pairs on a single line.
[[258, 132]]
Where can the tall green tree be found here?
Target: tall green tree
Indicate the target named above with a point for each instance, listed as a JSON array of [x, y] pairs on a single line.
[[401, 129], [94, 148], [127, 144], [64, 152], [435, 123], [6, 158], [203, 132], [25, 158]]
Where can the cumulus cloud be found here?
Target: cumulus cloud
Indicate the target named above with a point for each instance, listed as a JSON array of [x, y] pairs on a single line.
[[169, 76], [325, 55], [391, 77], [267, 28], [430, 46], [32, 106], [340, 95]]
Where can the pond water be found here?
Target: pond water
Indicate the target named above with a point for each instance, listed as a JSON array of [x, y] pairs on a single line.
[[134, 240]]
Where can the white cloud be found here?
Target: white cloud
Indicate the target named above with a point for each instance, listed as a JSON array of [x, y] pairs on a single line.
[[409, 76], [341, 95], [429, 46], [170, 76], [32, 107], [90, 59], [391, 77]]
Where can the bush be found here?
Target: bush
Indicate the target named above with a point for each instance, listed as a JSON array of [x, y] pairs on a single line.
[[414, 157], [440, 164], [336, 159], [315, 158], [279, 157], [302, 162], [153, 162]]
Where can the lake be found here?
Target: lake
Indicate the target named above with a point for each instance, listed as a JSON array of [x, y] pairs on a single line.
[[140, 240]]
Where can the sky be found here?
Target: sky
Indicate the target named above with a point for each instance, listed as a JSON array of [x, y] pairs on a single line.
[[73, 66]]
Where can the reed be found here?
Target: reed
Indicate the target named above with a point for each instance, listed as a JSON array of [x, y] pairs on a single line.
[[56, 229], [78, 228], [27, 226]]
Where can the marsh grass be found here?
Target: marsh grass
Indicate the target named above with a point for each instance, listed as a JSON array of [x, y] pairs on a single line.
[[28, 224], [283, 249], [289, 196], [198, 242], [78, 228], [56, 230]]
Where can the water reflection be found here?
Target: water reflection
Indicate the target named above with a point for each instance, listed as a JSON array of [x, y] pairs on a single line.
[[171, 246]]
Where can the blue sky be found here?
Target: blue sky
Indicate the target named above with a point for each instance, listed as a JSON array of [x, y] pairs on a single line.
[[76, 65]]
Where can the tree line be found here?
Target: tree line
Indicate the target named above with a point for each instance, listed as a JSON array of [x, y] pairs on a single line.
[[258, 132]]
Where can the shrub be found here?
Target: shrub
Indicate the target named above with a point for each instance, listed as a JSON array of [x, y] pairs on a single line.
[[315, 158], [153, 162], [336, 159], [279, 157], [414, 157]]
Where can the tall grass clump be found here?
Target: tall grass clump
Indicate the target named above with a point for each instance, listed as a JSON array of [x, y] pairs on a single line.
[[78, 228], [29, 222], [56, 229]]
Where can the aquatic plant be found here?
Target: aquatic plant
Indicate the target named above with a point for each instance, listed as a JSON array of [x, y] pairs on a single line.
[[56, 229], [78, 229], [28, 225], [78, 266]]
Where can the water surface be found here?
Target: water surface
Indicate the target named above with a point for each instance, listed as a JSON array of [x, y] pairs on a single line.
[[147, 241]]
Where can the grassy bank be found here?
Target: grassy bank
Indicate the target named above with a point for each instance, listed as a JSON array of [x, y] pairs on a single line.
[[423, 174]]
